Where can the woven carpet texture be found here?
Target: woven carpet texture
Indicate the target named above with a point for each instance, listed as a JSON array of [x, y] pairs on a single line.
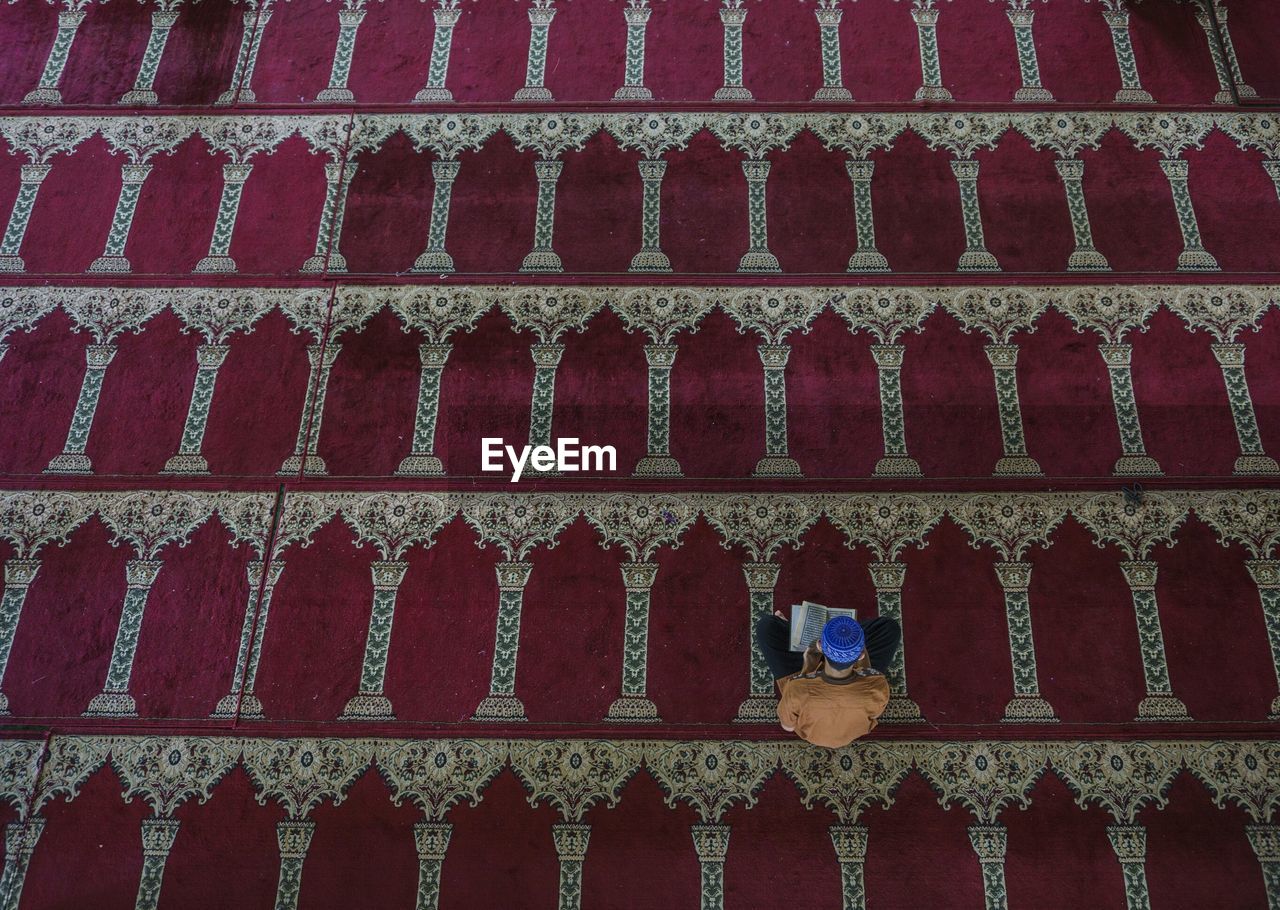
[[961, 312]]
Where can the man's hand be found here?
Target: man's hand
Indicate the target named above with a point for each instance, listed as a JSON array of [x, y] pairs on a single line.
[[812, 658]]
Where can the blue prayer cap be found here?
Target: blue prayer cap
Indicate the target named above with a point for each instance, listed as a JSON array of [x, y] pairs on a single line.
[[842, 640]]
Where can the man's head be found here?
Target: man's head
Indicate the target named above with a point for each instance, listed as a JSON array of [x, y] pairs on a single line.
[[842, 642]]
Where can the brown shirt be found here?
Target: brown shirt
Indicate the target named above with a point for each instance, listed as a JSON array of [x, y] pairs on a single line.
[[833, 712]]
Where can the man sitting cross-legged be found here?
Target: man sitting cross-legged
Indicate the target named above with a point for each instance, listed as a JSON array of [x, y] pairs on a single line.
[[835, 691]]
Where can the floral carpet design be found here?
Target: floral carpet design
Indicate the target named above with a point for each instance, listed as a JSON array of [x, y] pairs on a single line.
[[963, 312]]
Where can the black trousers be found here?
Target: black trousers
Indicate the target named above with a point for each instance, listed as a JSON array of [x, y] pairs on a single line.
[[773, 635]]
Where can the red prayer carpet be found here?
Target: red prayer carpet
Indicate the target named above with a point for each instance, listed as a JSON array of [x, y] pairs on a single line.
[[963, 312]]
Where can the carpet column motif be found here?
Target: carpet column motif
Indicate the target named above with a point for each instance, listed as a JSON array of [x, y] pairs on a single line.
[[255, 21], [1225, 63], [1253, 459], [432, 841], [542, 258], [926, 19], [634, 706], [20, 839], [650, 258], [633, 88], [240, 139], [546, 359], [321, 358], [866, 258], [166, 773], [139, 139], [502, 704], [774, 315], [540, 16], [47, 91], [1137, 526], [888, 578], [571, 847], [850, 842], [1085, 257], [886, 315], [660, 314], [113, 258], [1131, 90], [1245, 90], [435, 315], [1220, 65], [1027, 705], [32, 175], [349, 20], [189, 460], [293, 838], [832, 89], [1020, 17], [757, 258], [234, 177], [776, 461], [300, 775], [435, 258], [548, 314], [1160, 702], [1194, 257], [215, 316], [446, 17], [162, 20], [990, 842], [370, 703], [895, 462], [1135, 460], [104, 315], [1112, 314], [241, 700], [18, 576], [1224, 313], [761, 705], [712, 845], [733, 16], [1130, 845], [639, 524], [1265, 840], [39, 139], [1004, 365], [329, 234], [1266, 575], [422, 460], [114, 700], [975, 257], [658, 461], [158, 835], [73, 459]]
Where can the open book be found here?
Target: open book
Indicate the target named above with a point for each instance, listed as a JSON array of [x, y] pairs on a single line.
[[807, 620]]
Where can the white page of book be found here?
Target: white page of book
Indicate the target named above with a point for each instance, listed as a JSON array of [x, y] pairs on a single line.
[[807, 620]]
